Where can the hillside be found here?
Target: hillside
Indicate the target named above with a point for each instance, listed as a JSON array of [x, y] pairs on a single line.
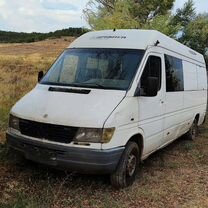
[[15, 37]]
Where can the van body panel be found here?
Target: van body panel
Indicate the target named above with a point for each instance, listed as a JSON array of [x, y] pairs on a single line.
[[125, 119], [202, 78], [190, 76], [70, 109]]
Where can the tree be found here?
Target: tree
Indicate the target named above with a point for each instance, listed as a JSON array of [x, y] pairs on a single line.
[[146, 10], [196, 35], [115, 15], [193, 30], [111, 14], [163, 23], [185, 15]]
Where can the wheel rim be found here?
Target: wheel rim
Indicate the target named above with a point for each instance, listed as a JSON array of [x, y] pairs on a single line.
[[131, 164]]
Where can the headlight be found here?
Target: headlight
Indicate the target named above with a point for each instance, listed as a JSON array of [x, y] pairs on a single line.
[[13, 122], [94, 135]]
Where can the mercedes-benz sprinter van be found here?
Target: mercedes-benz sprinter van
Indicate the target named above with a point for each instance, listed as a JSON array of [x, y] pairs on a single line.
[[110, 100]]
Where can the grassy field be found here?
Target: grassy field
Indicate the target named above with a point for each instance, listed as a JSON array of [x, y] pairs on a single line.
[[175, 177]]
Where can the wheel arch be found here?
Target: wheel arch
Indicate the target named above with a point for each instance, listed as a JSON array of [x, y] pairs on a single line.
[[139, 140]]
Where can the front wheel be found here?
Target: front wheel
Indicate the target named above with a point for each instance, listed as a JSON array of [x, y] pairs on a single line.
[[128, 166]]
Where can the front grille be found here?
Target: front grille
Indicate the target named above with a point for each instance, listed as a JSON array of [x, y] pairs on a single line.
[[51, 132]]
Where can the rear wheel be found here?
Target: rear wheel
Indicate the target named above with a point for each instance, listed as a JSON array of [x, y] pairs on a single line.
[[193, 132], [128, 166]]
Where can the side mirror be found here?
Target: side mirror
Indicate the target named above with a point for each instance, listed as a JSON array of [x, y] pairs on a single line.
[[151, 88], [40, 75]]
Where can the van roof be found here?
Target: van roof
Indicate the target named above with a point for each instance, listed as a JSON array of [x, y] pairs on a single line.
[[133, 39]]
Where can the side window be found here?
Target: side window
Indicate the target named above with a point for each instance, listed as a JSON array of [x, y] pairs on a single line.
[[174, 74], [152, 71]]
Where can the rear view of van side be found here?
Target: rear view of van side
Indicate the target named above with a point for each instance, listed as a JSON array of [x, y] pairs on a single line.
[[109, 101]]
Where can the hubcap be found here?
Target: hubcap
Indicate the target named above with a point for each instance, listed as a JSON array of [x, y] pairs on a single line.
[[131, 164]]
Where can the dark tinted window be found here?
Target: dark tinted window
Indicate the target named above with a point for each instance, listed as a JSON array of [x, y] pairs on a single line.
[[152, 69], [174, 74]]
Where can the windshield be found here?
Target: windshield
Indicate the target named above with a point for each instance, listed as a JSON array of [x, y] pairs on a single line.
[[95, 68]]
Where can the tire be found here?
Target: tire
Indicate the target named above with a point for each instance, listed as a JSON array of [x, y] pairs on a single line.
[[193, 132], [127, 168]]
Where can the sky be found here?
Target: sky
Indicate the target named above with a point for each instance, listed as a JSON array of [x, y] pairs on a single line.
[[50, 15]]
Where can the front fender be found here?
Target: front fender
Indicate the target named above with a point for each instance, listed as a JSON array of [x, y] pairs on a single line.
[[122, 135]]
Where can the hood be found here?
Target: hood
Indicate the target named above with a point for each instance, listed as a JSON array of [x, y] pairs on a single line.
[[66, 108]]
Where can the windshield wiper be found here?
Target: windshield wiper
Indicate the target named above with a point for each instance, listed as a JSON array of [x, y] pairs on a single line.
[[90, 84], [82, 84]]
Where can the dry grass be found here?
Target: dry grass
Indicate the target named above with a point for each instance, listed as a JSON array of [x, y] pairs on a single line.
[[19, 66], [175, 177]]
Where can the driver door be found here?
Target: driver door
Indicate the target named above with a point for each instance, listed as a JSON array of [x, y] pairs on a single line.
[[151, 107]]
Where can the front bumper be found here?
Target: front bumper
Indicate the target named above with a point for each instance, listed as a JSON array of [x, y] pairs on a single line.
[[76, 159]]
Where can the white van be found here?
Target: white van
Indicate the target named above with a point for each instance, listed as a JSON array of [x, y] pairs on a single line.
[[109, 101]]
